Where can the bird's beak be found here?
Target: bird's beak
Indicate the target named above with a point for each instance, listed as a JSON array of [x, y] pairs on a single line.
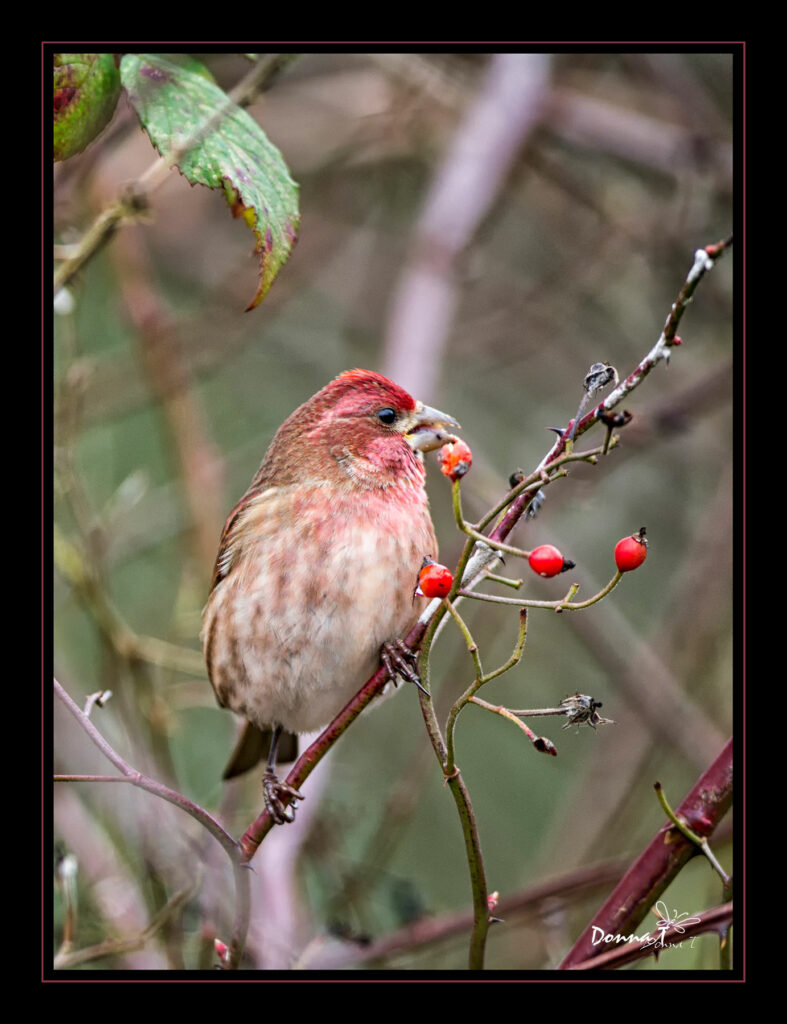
[[429, 429]]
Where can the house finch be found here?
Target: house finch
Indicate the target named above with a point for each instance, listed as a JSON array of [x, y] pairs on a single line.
[[316, 564]]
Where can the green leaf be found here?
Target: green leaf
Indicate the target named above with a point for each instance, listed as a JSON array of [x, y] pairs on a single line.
[[87, 86], [226, 149]]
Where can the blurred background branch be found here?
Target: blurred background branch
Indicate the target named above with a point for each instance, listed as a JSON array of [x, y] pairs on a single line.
[[467, 182]]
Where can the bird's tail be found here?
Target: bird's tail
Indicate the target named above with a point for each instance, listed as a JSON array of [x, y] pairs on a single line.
[[254, 745]]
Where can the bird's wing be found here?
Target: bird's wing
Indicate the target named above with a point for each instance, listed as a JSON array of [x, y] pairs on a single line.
[[240, 523]]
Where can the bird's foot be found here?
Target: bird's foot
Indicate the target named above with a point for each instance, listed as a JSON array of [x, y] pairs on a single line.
[[399, 660], [274, 790]]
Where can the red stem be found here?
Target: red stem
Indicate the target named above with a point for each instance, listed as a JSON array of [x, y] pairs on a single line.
[[312, 756], [660, 862]]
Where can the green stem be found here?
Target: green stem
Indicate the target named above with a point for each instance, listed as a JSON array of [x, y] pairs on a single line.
[[470, 531], [472, 646], [699, 841], [460, 794], [541, 743], [480, 678], [515, 584], [538, 479], [475, 863], [564, 604], [519, 648], [725, 946]]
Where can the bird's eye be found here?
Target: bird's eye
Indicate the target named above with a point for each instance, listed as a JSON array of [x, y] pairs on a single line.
[[387, 416]]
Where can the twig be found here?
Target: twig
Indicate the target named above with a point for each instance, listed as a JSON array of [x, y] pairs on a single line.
[[431, 930], [718, 919], [480, 680], [91, 778], [543, 475], [541, 743], [699, 841], [137, 778], [115, 947], [704, 260], [561, 605]]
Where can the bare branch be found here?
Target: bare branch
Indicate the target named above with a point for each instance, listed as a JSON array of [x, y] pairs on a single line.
[[137, 778], [473, 171]]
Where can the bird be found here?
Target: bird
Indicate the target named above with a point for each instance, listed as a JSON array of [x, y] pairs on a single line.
[[313, 580]]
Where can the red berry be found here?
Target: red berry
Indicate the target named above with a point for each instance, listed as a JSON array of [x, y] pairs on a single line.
[[434, 580], [455, 459], [631, 552], [546, 560]]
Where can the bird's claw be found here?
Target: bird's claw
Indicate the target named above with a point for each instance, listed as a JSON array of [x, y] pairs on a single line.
[[399, 660], [273, 790]]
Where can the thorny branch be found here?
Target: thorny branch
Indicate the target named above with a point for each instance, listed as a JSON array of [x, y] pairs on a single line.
[[478, 556], [717, 919], [702, 810]]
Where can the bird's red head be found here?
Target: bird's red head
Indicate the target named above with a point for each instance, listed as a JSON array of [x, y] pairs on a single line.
[[355, 388], [359, 430]]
